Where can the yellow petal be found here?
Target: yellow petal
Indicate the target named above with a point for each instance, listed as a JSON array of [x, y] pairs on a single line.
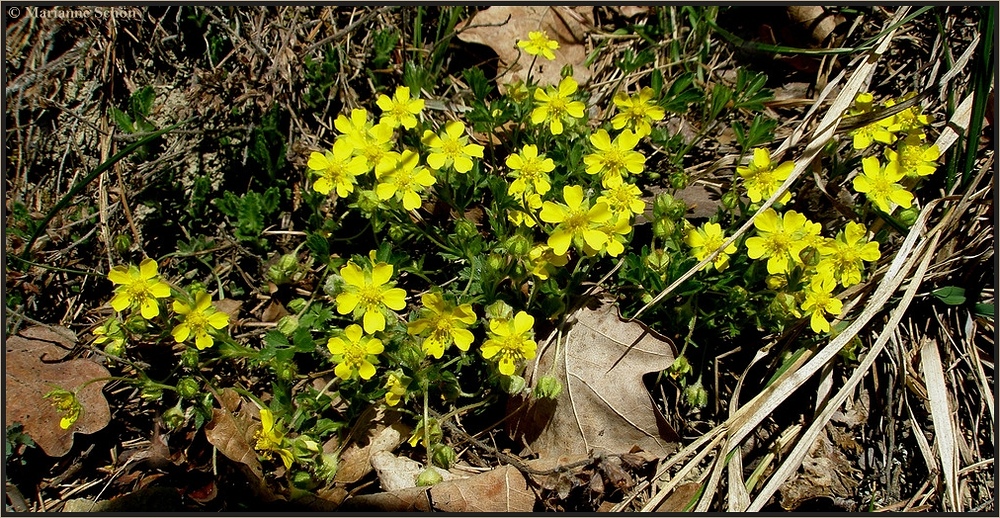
[[374, 321], [381, 274], [147, 269]]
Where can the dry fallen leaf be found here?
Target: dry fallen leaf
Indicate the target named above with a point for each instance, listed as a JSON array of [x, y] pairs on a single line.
[[826, 472], [502, 490], [401, 472], [33, 368], [604, 403], [500, 27], [231, 431], [384, 432]]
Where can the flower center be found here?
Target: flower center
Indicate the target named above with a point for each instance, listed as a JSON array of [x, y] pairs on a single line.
[[451, 147], [371, 295]]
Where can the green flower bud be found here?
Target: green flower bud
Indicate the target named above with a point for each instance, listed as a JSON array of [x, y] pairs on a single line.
[[465, 229], [496, 262], [499, 310], [678, 180], [115, 348], [297, 304], [548, 387], [738, 295], [122, 243], [908, 216], [512, 384], [695, 395], [288, 324], [303, 480], [174, 418], [664, 228], [730, 200], [397, 232], [662, 204], [284, 370], [190, 358], [326, 468], [429, 477], [367, 200], [443, 456], [151, 392], [188, 387], [518, 246]]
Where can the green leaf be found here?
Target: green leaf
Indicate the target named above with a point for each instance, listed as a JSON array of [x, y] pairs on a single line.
[[950, 295], [122, 120], [141, 102], [319, 246], [985, 310], [721, 95], [477, 81]]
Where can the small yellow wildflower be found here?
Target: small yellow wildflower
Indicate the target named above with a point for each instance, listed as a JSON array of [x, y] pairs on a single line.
[[819, 299], [270, 438], [842, 256], [877, 131], [395, 387], [451, 148], [400, 110], [446, 323], [402, 177], [354, 355], [138, 287], [376, 146], [576, 221], [553, 105], [616, 229], [337, 169], [778, 239], [623, 199], [511, 341], [530, 204], [878, 183], [636, 112], [66, 404], [530, 171], [354, 128], [910, 120], [369, 293], [913, 159], [761, 177], [198, 320], [705, 240], [539, 44], [543, 261], [614, 159]]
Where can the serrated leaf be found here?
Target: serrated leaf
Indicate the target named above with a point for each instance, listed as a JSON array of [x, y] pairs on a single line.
[[950, 295], [122, 120], [142, 102]]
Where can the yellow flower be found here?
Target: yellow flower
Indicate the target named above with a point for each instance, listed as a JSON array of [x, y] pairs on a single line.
[[401, 177], [614, 159], [553, 105], [543, 261], [510, 341], [576, 221], [112, 330], [761, 177], [842, 257], [451, 148], [819, 299], [369, 293], [623, 199], [913, 159], [353, 129], [707, 239], [615, 228], [446, 323], [530, 203], [138, 287], [909, 120], [270, 438], [877, 131], [636, 112], [356, 354], [778, 239], [400, 110], [66, 404], [530, 171], [198, 320], [337, 168], [395, 387], [539, 44], [879, 185]]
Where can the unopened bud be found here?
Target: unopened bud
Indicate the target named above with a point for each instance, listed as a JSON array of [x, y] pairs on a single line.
[[188, 387], [548, 387], [444, 456], [429, 477], [288, 324]]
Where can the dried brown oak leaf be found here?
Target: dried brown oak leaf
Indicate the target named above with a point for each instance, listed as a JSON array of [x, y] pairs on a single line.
[[604, 404], [502, 490], [231, 431], [500, 27], [34, 367]]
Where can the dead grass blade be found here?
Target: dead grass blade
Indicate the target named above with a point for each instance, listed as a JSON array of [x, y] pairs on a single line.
[[941, 415]]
